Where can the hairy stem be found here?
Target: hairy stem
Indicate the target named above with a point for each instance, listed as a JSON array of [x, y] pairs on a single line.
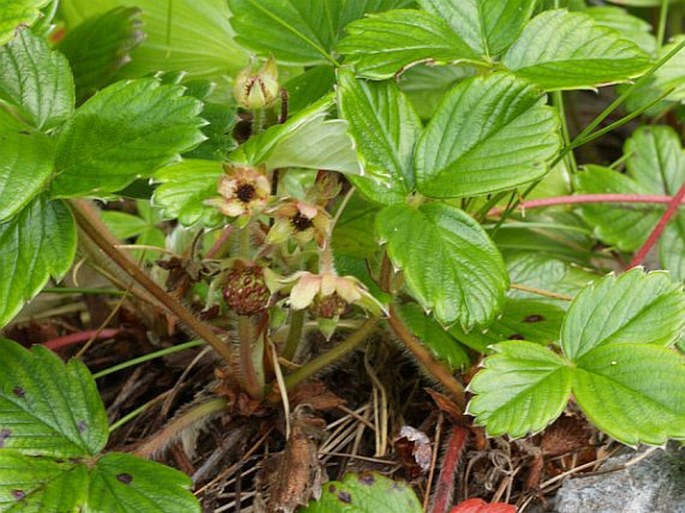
[[423, 355], [194, 416], [248, 374], [294, 334], [659, 228], [444, 488], [88, 221], [346, 346]]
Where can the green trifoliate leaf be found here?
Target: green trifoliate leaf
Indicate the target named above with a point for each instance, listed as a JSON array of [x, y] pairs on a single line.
[[523, 387], [635, 307], [450, 265], [381, 45], [564, 50], [36, 81], [26, 160], [487, 26], [127, 484], [631, 27], [633, 392], [365, 493], [126, 131], [174, 33], [37, 243], [490, 133], [297, 33], [36, 485], [432, 335], [385, 128], [14, 13], [185, 187], [100, 46], [47, 407]]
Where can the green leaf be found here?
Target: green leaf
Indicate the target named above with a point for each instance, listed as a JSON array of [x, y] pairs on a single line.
[[174, 33], [426, 85], [670, 75], [490, 133], [26, 160], [310, 86], [523, 388], [365, 493], [633, 392], [672, 248], [435, 337], [47, 407], [296, 33], [631, 27], [219, 132], [127, 484], [14, 13], [35, 485], [306, 140], [123, 225], [299, 32], [487, 26], [385, 128], [100, 46], [450, 265], [37, 243], [126, 131], [655, 165], [569, 50], [625, 225], [185, 186], [521, 319], [351, 232], [381, 45], [635, 307], [36, 80]]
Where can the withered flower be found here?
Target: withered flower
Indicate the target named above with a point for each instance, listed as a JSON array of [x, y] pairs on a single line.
[[311, 289], [300, 221], [244, 191]]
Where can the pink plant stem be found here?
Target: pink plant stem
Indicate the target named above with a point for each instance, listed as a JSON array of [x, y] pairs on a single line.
[[444, 489], [79, 337], [659, 228], [590, 198]]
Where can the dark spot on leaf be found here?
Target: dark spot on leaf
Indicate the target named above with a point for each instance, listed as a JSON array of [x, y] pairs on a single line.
[[4, 435], [125, 478], [18, 494], [367, 479], [24, 132], [534, 318], [18, 391], [332, 489], [516, 336], [345, 497], [81, 426]]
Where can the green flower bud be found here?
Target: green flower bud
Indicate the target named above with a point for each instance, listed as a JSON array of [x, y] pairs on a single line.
[[257, 89]]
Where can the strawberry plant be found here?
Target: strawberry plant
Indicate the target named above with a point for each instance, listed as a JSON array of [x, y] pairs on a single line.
[[287, 182]]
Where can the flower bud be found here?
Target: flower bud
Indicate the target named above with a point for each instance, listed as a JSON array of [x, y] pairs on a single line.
[[257, 89]]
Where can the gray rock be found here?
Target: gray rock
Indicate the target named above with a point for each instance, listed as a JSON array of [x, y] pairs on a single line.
[[655, 484]]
